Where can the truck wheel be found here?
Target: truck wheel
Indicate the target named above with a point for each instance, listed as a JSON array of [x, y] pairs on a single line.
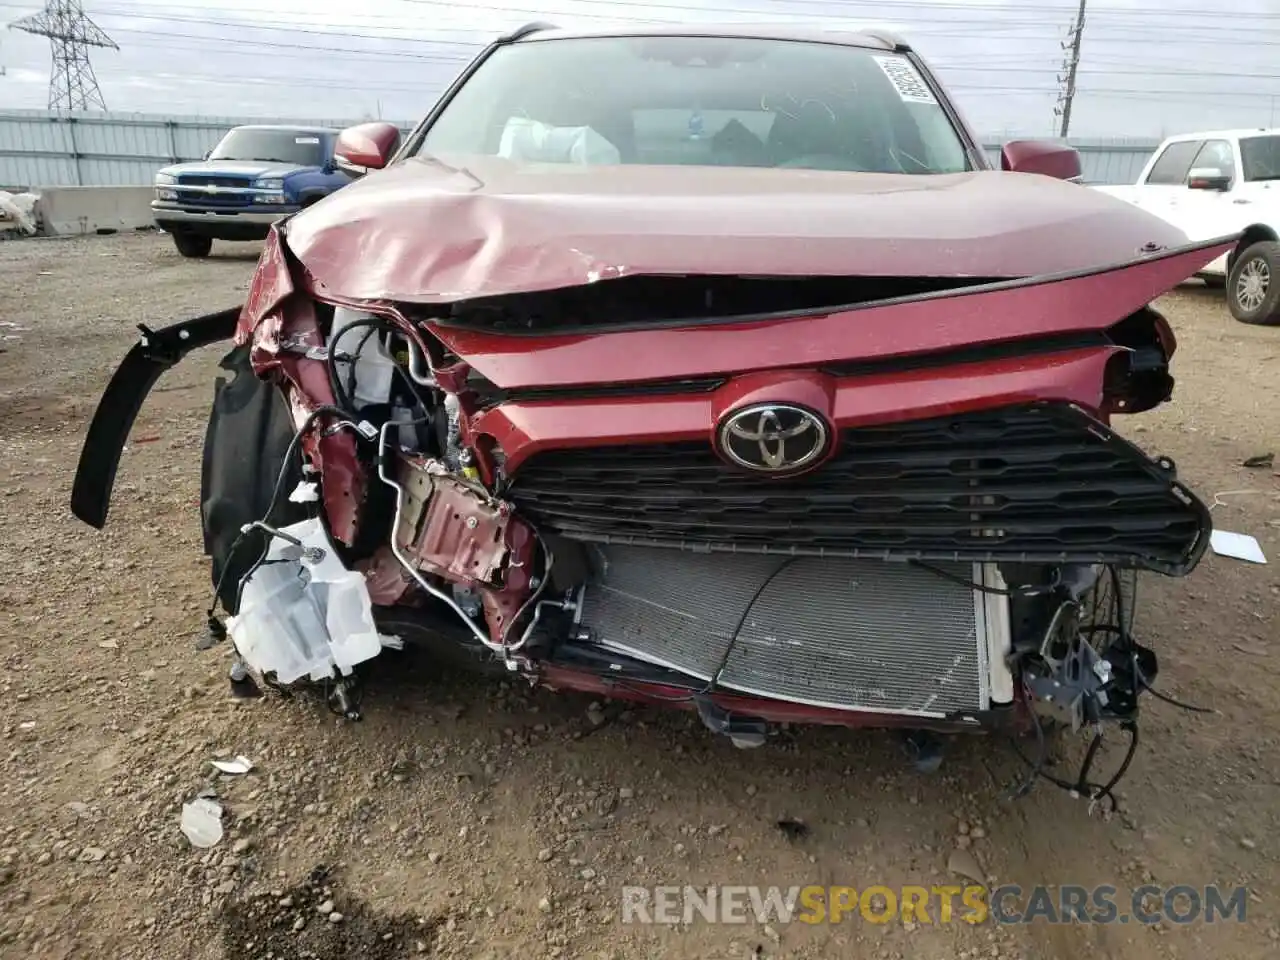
[[191, 245], [1253, 288]]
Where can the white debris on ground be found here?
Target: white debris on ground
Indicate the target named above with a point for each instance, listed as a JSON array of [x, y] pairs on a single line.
[[202, 822], [237, 767], [17, 212]]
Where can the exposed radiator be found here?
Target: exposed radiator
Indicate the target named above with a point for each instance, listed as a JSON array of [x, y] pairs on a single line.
[[851, 634]]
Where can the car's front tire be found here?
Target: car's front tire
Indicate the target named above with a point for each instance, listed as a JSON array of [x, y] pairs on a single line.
[[192, 245], [1253, 286]]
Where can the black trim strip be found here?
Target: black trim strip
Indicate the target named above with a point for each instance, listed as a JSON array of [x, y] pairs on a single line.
[[494, 396], [957, 292], [154, 353]]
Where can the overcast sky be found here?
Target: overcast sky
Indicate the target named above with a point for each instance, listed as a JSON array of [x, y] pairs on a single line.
[[1148, 67]]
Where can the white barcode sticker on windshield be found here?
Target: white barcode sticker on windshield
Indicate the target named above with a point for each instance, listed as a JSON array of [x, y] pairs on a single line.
[[306, 139], [909, 84]]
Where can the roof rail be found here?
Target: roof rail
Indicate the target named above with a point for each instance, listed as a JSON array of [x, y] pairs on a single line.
[[519, 33]]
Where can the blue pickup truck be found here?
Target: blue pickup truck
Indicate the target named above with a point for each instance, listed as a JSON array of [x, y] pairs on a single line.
[[253, 177]]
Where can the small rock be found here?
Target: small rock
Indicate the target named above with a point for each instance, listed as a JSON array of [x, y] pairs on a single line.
[[299, 924], [587, 874], [751, 790], [595, 715], [242, 845], [626, 793], [433, 857], [1248, 844], [92, 855], [286, 902], [545, 905], [335, 917], [977, 833], [326, 907], [545, 854]]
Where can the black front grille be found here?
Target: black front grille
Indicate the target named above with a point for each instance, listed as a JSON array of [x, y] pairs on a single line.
[[205, 179], [1043, 484], [201, 198]]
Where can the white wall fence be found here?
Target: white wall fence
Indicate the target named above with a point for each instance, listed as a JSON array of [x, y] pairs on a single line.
[[43, 149]]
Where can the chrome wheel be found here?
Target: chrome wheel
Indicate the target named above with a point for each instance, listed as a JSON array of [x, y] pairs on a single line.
[[1252, 284]]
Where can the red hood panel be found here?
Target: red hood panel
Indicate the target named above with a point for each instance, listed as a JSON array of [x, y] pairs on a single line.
[[424, 231], [979, 315]]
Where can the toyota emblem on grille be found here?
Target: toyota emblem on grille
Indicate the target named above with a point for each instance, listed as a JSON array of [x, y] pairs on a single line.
[[773, 438]]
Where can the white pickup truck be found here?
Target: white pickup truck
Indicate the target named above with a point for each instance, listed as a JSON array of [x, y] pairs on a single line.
[[1217, 183]]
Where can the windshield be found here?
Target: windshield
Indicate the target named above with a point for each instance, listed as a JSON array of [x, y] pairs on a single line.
[[1261, 157], [700, 101], [302, 147]]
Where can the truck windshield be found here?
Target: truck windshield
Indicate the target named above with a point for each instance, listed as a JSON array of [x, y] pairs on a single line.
[[701, 101], [1261, 157], [302, 147]]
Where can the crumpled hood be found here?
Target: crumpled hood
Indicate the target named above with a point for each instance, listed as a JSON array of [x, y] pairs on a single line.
[[426, 231], [256, 169]]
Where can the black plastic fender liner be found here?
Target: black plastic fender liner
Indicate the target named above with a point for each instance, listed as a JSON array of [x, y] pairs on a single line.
[[154, 353], [249, 433]]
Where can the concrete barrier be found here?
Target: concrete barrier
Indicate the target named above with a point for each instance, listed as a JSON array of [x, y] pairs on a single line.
[[69, 211]]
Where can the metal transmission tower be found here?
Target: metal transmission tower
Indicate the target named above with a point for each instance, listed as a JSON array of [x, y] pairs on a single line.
[[72, 86], [1065, 100]]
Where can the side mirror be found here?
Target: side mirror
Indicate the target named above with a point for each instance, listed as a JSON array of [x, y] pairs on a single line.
[[365, 147], [1045, 157], [1209, 178]]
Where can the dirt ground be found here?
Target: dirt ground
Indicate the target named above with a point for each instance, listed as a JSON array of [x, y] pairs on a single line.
[[466, 818]]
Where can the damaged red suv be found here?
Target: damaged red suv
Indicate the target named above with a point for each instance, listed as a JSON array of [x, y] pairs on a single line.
[[707, 367]]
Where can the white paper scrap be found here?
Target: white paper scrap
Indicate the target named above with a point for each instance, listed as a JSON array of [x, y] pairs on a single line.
[[240, 765], [202, 822], [1238, 546]]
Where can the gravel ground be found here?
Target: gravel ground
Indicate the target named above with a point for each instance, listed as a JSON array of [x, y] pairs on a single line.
[[465, 818]]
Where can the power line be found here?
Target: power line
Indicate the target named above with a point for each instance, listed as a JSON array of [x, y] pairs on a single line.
[[72, 84]]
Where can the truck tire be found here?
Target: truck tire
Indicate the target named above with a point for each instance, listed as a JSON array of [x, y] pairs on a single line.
[[1253, 287], [192, 245]]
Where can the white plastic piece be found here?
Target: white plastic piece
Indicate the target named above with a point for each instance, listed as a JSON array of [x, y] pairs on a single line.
[[303, 618], [239, 766], [1237, 546], [202, 822], [374, 367], [305, 492], [993, 623]]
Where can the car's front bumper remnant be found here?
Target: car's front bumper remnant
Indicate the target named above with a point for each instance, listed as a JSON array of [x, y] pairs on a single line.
[[154, 353]]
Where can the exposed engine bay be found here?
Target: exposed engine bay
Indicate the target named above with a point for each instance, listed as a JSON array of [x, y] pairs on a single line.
[[938, 574], [943, 545]]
